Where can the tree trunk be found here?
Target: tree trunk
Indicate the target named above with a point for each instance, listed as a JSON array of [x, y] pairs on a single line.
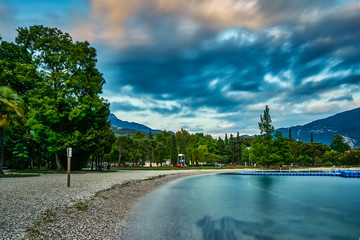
[[92, 163], [150, 158], [2, 136], [38, 162], [314, 158], [97, 164], [134, 154], [120, 156], [57, 161]]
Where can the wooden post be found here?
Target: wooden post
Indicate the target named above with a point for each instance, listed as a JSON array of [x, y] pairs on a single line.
[[69, 154]]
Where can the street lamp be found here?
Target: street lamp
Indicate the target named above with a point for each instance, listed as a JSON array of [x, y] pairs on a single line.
[[249, 154]]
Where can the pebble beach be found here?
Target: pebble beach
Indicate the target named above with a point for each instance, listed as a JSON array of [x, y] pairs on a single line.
[[96, 205]]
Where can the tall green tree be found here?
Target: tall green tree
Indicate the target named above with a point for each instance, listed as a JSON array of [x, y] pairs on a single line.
[[226, 140], [290, 136], [66, 102], [265, 122], [220, 146], [262, 146]]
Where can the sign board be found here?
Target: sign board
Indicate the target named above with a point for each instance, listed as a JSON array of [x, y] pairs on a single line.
[[69, 152]]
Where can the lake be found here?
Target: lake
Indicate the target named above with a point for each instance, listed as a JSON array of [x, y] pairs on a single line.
[[225, 206]]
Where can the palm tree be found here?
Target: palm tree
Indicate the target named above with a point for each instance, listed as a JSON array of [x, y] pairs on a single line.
[[11, 113]]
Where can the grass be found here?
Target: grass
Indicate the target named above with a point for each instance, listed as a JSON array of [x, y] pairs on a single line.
[[81, 206], [41, 171], [18, 175], [35, 232]]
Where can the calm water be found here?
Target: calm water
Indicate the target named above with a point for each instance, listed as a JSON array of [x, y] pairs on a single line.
[[222, 206]]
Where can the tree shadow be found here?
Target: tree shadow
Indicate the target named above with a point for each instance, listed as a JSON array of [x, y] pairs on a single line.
[[231, 229]]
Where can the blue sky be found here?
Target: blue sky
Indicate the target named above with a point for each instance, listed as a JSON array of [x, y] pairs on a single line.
[[212, 65]]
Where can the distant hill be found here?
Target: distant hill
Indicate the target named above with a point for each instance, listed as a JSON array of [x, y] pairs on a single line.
[[346, 124], [128, 126], [126, 131]]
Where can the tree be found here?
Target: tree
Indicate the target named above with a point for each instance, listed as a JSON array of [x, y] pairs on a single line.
[[162, 149], [65, 104], [123, 145], [182, 148], [290, 133], [191, 146], [265, 123], [332, 157], [173, 150], [16, 69], [200, 153], [151, 136], [160, 152], [296, 149], [311, 138], [138, 146], [338, 144], [351, 157], [283, 149], [315, 150], [261, 149], [220, 146], [11, 113], [238, 148]]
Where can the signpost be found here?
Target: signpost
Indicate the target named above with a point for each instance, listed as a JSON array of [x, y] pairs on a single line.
[[69, 155]]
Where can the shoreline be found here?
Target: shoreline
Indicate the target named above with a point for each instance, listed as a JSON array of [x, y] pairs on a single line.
[[96, 205], [104, 216]]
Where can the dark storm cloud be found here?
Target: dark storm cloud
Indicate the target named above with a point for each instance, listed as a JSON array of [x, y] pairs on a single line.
[[124, 106], [166, 111], [342, 98], [199, 81], [294, 57]]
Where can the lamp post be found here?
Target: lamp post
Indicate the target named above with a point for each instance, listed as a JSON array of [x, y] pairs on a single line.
[[249, 155]]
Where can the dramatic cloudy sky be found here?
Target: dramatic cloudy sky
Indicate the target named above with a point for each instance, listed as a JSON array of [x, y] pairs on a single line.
[[212, 65]]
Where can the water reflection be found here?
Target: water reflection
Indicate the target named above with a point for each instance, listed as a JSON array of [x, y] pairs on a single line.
[[264, 198], [231, 229]]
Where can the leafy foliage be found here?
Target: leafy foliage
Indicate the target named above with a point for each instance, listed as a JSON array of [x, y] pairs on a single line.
[[60, 85], [338, 144], [265, 122]]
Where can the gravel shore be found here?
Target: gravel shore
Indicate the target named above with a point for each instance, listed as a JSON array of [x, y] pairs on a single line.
[[96, 205]]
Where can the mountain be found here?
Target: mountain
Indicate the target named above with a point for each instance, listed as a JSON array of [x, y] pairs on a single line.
[[346, 124], [117, 123]]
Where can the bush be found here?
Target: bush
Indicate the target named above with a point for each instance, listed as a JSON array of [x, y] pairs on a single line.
[[328, 164]]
